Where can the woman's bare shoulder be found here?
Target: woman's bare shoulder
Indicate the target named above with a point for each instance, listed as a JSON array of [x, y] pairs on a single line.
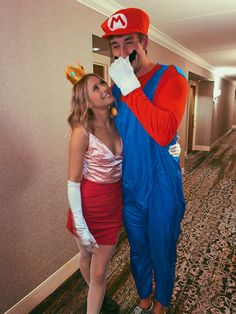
[[79, 136]]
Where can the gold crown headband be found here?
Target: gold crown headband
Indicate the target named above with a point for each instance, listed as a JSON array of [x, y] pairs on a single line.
[[74, 74]]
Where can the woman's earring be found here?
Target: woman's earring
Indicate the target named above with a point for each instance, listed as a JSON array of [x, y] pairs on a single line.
[[113, 110]]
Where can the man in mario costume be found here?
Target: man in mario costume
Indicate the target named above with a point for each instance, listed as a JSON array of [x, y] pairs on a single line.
[[151, 100]]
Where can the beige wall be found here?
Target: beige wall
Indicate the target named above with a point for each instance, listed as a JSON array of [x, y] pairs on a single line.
[[38, 39]]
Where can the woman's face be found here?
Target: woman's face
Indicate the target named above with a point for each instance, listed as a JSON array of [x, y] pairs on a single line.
[[99, 93]]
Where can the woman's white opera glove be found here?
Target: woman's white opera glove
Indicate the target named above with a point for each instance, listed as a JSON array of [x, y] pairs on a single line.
[[175, 150], [74, 197]]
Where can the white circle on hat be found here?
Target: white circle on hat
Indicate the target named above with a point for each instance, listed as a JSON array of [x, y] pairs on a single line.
[[117, 21]]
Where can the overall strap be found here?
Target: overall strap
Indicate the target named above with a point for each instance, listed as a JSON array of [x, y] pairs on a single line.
[[151, 86], [180, 72]]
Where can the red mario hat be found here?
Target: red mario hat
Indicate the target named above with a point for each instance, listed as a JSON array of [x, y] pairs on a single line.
[[126, 21]]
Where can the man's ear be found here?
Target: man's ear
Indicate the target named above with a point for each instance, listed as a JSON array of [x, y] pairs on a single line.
[[145, 42]]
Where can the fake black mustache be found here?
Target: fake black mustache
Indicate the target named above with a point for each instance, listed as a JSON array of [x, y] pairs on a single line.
[[132, 56]]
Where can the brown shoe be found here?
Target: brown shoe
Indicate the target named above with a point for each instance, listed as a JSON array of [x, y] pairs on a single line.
[[139, 310]]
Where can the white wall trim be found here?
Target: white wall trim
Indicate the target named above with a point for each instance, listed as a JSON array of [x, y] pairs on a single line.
[[234, 126], [107, 7], [177, 48], [209, 148], [195, 118], [202, 148], [35, 297], [219, 139]]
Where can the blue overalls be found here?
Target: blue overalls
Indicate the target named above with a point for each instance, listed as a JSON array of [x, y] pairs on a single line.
[[153, 201]]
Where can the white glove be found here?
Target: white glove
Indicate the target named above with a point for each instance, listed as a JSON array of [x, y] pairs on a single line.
[[74, 197], [122, 73], [175, 150]]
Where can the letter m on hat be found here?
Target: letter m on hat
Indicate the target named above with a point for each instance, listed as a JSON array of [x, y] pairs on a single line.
[[117, 21]]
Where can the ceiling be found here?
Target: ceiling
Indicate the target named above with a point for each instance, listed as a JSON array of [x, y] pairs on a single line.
[[205, 28]]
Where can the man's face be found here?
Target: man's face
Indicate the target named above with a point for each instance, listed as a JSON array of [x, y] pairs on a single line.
[[122, 46]]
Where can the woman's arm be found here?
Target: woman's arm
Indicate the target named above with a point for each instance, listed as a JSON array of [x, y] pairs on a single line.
[[77, 149], [78, 146]]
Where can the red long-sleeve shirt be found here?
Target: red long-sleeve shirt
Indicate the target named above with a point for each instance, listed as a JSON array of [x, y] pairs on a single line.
[[162, 117]]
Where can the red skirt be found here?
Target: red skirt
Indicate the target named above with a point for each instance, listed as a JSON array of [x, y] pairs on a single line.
[[102, 211]]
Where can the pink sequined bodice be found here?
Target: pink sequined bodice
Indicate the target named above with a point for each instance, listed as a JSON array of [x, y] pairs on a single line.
[[100, 164]]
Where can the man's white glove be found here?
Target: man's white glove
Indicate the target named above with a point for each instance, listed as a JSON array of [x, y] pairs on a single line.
[[122, 73], [175, 150], [74, 197]]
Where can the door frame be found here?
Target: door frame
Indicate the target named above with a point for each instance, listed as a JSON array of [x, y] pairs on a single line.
[[105, 62], [195, 84]]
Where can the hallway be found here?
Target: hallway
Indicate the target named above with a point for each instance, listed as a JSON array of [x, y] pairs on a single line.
[[206, 267]]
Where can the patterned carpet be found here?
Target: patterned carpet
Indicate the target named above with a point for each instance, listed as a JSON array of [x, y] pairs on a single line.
[[206, 267]]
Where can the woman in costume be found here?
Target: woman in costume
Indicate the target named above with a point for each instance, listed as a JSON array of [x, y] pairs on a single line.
[[94, 182]]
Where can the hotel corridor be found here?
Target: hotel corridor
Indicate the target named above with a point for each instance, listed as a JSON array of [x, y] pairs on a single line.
[[206, 267]]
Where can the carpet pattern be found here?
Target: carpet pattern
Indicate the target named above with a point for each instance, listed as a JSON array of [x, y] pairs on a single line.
[[206, 266]]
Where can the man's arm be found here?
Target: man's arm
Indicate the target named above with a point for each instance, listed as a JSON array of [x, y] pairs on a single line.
[[161, 118]]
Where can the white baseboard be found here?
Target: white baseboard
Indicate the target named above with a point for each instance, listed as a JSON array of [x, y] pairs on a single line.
[[35, 297], [221, 138], [202, 148], [234, 126], [209, 148]]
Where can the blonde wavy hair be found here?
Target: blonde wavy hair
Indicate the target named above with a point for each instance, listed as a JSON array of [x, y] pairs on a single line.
[[81, 114]]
